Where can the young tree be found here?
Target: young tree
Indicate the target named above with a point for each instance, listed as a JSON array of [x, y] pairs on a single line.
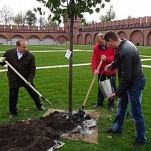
[[129, 17], [42, 21], [50, 22], [31, 18], [110, 15], [71, 9]]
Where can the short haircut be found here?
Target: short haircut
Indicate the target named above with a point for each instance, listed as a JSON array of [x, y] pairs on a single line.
[[19, 41], [100, 35], [111, 35]]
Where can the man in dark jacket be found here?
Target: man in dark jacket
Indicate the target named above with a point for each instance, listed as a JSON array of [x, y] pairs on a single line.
[[24, 62], [131, 85]]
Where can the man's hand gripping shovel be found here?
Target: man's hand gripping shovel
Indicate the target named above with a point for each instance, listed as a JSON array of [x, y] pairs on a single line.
[[80, 112]]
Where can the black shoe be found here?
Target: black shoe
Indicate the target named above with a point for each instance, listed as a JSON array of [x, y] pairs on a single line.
[[42, 108], [111, 131], [111, 108], [12, 116], [138, 142]]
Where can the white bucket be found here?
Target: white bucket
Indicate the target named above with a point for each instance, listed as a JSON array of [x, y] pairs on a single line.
[[107, 87]]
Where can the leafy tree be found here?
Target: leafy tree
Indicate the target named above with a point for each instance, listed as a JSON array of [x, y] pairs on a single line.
[[110, 15], [71, 9], [6, 14], [129, 17], [20, 18], [50, 23], [31, 18]]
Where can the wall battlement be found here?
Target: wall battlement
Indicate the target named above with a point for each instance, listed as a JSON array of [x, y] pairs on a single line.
[[16, 28], [126, 23]]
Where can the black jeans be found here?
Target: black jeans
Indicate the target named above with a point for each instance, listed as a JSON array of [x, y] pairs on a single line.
[[13, 98], [102, 77]]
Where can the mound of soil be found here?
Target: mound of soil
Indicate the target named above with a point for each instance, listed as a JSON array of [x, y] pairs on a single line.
[[36, 135]]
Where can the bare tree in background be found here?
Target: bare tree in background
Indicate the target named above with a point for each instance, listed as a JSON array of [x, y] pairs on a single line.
[[6, 14], [20, 18], [42, 21], [110, 15]]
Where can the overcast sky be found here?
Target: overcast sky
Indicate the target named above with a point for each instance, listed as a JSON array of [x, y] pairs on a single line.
[[122, 8]]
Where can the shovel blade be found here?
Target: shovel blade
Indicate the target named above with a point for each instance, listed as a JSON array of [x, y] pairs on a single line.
[[81, 113], [47, 101]]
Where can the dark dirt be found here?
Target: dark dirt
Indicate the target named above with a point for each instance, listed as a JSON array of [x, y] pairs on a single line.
[[36, 135]]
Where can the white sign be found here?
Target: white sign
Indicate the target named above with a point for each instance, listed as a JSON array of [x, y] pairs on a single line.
[[68, 54]]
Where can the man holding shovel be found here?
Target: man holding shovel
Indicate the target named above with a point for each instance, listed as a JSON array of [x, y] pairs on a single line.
[[24, 62], [105, 54]]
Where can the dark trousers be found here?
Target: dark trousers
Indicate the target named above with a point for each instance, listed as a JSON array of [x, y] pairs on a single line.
[[13, 98], [102, 77]]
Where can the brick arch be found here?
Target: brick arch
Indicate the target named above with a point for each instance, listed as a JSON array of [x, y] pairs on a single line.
[[48, 36], [80, 39], [149, 39], [122, 34], [3, 36], [136, 37], [3, 40], [48, 40], [33, 36], [17, 36], [61, 39], [33, 40], [94, 38], [14, 38], [88, 39]]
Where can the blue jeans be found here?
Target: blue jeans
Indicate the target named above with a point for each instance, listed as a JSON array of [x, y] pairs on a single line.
[[133, 96]]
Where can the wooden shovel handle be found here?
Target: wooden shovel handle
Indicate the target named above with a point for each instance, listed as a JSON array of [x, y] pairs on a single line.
[[92, 83]]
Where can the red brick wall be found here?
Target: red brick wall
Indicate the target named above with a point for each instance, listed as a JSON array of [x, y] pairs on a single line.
[[137, 30]]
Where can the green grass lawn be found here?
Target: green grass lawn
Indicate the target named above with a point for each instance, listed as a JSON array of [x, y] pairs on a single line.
[[52, 83]]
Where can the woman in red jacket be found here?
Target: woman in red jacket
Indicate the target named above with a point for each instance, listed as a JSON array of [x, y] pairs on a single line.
[[106, 54]]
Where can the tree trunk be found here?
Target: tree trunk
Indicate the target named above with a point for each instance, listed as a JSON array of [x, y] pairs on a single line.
[[70, 66]]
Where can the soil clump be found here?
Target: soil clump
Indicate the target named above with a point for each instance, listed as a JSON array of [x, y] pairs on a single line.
[[36, 135]]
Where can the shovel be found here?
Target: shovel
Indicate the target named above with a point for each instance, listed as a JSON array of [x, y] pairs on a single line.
[[81, 113], [28, 83]]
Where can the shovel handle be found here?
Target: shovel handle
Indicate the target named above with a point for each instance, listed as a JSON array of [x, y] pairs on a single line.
[[28, 83], [92, 83]]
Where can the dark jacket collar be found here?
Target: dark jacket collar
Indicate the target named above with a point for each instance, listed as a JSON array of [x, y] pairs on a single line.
[[120, 45]]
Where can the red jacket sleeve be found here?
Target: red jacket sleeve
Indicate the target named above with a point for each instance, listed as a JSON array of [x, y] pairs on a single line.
[[95, 58]]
